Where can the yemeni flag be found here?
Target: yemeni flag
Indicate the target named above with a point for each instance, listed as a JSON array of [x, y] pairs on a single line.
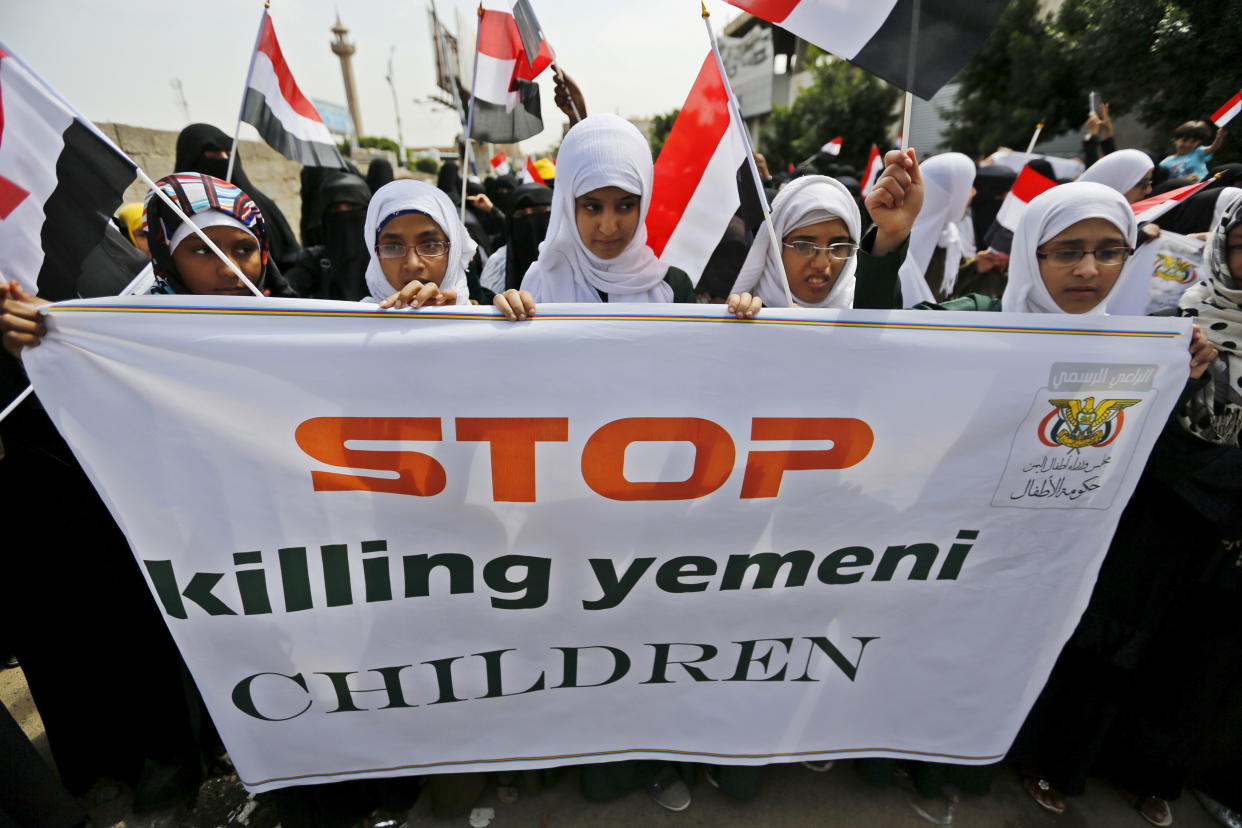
[[833, 147], [701, 177], [1150, 209], [1229, 111], [1026, 186], [512, 53], [61, 180], [531, 174], [275, 106], [871, 172], [500, 163], [875, 34]]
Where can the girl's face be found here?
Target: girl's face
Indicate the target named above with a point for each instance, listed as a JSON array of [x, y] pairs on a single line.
[[1233, 254], [1140, 190], [607, 219], [1185, 144], [204, 274], [811, 277], [1080, 287], [412, 230]]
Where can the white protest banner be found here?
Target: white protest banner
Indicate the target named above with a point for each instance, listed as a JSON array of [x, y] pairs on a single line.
[[397, 543]]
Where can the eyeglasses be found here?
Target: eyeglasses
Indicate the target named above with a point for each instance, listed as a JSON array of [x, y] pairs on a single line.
[[1104, 257], [841, 251], [425, 250]]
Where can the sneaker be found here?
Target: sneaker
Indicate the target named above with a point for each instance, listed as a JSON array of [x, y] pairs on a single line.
[[819, 767], [670, 791]]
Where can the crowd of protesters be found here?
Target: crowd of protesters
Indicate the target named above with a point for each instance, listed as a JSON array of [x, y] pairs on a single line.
[[1148, 691]]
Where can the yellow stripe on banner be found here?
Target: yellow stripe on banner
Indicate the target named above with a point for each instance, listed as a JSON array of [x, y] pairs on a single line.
[[922, 754], [581, 317]]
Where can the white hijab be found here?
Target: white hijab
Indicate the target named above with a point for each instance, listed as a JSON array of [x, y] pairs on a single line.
[[408, 195], [599, 151], [1121, 170], [1047, 214], [947, 179], [800, 203]]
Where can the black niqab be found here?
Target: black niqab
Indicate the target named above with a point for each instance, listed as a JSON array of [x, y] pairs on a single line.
[[197, 139], [379, 173], [525, 233]]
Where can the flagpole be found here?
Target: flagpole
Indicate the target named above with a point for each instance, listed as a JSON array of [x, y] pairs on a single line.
[[1031, 146], [556, 67], [228, 175], [736, 113], [474, 83], [911, 56]]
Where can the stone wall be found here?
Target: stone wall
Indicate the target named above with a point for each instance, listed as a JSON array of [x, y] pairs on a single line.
[[155, 150]]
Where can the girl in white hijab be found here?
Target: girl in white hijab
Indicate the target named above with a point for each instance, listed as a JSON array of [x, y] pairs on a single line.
[[806, 201], [816, 214], [419, 248], [1127, 171], [949, 180], [1042, 277], [605, 160]]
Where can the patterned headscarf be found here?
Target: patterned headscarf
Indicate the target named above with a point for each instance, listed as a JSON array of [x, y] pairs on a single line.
[[1215, 412], [196, 193]]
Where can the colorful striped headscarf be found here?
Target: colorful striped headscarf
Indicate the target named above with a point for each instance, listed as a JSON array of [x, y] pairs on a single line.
[[196, 193]]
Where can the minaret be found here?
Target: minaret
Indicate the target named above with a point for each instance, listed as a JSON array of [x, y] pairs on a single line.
[[345, 51]]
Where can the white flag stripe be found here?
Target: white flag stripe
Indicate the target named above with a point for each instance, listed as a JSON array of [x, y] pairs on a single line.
[[1010, 211], [493, 80], [839, 26], [714, 203], [34, 126], [263, 79]]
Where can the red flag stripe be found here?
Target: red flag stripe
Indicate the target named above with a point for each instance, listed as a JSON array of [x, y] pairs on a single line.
[[533, 171], [499, 38], [1030, 184], [689, 147], [874, 165], [288, 87], [1152, 208], [773, 10]]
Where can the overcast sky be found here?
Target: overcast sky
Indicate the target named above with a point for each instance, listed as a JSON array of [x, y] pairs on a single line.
[[117, 61]]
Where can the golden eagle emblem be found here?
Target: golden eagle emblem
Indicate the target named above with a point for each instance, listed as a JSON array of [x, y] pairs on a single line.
[[1083, 423]]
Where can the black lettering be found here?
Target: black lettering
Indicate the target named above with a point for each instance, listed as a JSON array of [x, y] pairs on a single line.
[[615, 589]]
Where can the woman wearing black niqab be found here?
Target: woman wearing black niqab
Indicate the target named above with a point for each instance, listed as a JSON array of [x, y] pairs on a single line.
[[379, 173], [203, 148]]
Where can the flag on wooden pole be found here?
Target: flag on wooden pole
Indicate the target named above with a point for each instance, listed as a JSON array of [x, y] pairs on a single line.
[[695, 193]]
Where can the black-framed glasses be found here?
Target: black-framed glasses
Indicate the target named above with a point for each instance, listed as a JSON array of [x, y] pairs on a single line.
[[841, 251], [1104, 257], [425, 250]]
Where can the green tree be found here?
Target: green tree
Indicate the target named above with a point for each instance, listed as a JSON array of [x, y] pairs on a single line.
[[1164, 61], [840, 100], [377, 142], [427, 165], [661, 126]]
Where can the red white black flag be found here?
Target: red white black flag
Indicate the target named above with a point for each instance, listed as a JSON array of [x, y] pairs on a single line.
[[275, 106], [60, 182], [512, 53], [1150, 209], [871, 173], [875, 34], [700, 177], [1025, 187]]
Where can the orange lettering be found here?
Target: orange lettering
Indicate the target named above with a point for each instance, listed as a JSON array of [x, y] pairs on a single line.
[[851, 442], [324, 438], [513, 450], [603, 457]]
